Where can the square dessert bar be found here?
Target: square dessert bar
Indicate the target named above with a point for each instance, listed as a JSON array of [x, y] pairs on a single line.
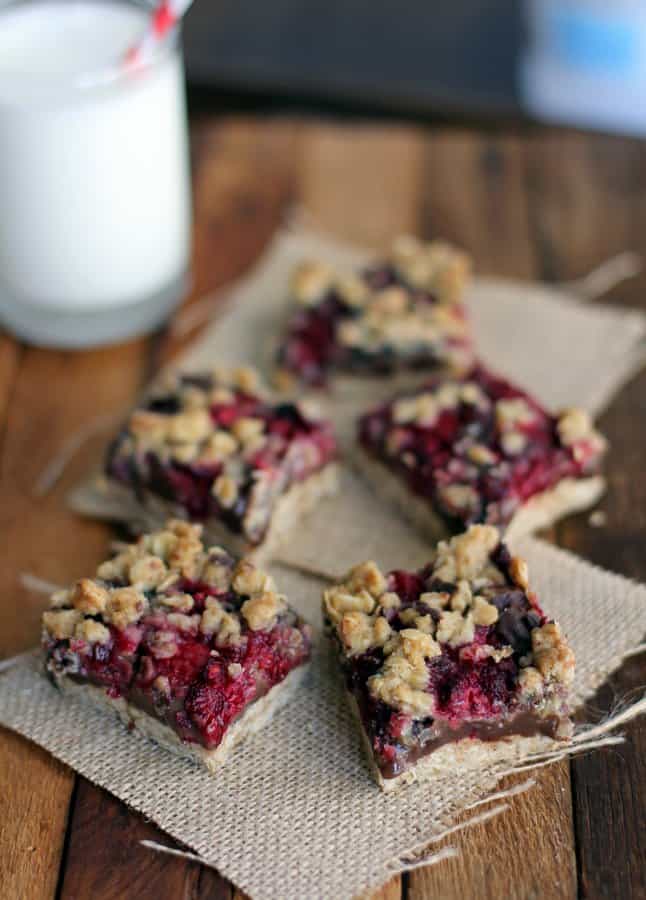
[[478, 449], [448, 659], [402, 314], [191, 647], [209, 448]]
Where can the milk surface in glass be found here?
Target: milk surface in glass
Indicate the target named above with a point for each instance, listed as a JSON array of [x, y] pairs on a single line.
[[95, 211]]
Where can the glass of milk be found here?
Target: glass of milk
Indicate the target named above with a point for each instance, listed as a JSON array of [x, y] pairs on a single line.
[[94, 174]]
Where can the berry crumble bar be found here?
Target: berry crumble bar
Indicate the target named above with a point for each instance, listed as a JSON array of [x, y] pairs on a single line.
[[209, 448], [402, 314], [479, 449], [448, 658], [190, 646]]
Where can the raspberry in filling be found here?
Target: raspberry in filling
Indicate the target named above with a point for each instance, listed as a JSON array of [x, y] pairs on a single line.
[[458, 651], [215, 450], [476, 448], [404, 313], [183, 632]]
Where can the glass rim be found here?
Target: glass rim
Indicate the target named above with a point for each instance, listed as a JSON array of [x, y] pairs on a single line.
[[54, 85]]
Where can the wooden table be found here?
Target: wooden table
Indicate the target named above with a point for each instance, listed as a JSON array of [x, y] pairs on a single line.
[[530, 204]]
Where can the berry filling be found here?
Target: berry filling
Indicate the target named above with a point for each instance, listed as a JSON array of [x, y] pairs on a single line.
[[110, 665], [470, 690], [459, 650], [478, 447], [315, 342], [194, 651], [230, 461]]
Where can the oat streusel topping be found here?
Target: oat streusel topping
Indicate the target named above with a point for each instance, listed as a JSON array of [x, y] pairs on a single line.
[[400, 312], [471, 604], [145, 578], [182, 631]]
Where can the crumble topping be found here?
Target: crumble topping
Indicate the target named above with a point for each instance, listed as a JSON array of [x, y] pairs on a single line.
[[476, 448], [92, 632], [182, 630], [310, 281], [61, 623], [261, 610], [470, 607], [178, 602], [206, 441], [402, 681], [87, 596], [402, 312], [437, 266], [225, 488], [553, 657], [125, 606], [143, 578], [576, 430]]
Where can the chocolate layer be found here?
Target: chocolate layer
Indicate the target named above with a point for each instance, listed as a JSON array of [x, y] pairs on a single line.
[[523, 724]]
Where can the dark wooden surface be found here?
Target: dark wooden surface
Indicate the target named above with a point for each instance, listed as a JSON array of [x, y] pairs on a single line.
[[536, 204]]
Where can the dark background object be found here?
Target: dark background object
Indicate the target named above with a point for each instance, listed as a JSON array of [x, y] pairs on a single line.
[[419, 56]]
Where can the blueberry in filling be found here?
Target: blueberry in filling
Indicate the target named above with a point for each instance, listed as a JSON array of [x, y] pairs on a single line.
[[476, 447], [403, 314], [458, 651]]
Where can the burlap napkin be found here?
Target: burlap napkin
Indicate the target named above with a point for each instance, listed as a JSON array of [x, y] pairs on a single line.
[[295, 814]]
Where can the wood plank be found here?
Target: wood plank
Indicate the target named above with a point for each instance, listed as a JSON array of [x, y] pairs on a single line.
[[362, 183], [242, 185], [10, 353], [475, 194], [49, 400], [106, 859], [522, 853], [588, 205], [35, 791], [586, 200]]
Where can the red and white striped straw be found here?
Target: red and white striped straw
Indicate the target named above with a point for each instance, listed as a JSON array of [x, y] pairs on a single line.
[[164, 18]]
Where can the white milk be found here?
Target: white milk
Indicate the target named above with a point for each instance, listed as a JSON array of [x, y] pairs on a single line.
[[94, 190]]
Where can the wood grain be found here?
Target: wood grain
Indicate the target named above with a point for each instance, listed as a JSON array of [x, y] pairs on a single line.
[[35, 791], [49, 400], [525, 852], [240, 194], [106, 859], [362, 183], [475, 194], [587, 202]]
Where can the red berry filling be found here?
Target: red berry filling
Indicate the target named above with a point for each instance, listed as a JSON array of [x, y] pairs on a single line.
[[311, 347], [202, 688], [294, 448], [432, 457], [472, 691], [110, 665], [182, 676]]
